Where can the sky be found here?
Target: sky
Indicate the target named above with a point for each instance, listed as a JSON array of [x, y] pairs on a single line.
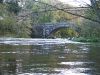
[[76, 2]]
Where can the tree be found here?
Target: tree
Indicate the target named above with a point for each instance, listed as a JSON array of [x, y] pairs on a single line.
[[1, 1], [95, 6], [13, 7], [11, 24], [55, 6]]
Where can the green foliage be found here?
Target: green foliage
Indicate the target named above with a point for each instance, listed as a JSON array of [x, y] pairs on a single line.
[[13, 7], [24, 29], [7, 22], [1, 1], [11, 25], [7, 26], [41, 17], [41, 13], [66, 32], [89, 29], [95, 6], [91, 14], [59, 16], [84, 39], [3, 10]]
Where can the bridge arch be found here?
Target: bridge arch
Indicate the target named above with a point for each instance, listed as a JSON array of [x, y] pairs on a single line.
[[55, 30], [63, 34]]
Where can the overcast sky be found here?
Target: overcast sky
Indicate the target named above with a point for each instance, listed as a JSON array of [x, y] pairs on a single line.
[[76, 2]]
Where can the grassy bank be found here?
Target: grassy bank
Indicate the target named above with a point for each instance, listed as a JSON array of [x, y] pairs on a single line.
[[89, 39]]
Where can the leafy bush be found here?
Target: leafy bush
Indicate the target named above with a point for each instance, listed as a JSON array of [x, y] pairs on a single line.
[[83, 39]]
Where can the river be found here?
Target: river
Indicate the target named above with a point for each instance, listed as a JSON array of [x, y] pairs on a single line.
[[19, 56]]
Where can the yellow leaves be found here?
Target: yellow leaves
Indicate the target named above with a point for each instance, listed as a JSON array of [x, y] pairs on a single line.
[[62, 16], [66, 32]]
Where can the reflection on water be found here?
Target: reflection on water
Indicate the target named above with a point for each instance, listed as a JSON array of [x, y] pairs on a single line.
[[50, 59]]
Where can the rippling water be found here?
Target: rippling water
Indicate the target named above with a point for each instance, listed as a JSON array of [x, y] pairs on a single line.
[[48, 57]]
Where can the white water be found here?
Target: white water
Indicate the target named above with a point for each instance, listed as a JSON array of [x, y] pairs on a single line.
[[36, 41]]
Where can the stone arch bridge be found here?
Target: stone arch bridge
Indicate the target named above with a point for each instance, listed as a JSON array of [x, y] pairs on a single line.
[[46, 29]]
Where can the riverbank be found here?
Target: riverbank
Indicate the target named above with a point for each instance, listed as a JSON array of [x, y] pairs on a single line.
[[82, 39]]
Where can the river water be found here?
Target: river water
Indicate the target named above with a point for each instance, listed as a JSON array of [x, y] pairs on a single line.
[[48, 57]]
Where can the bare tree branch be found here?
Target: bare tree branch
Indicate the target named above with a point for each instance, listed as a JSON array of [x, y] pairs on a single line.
[[68, 12]]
